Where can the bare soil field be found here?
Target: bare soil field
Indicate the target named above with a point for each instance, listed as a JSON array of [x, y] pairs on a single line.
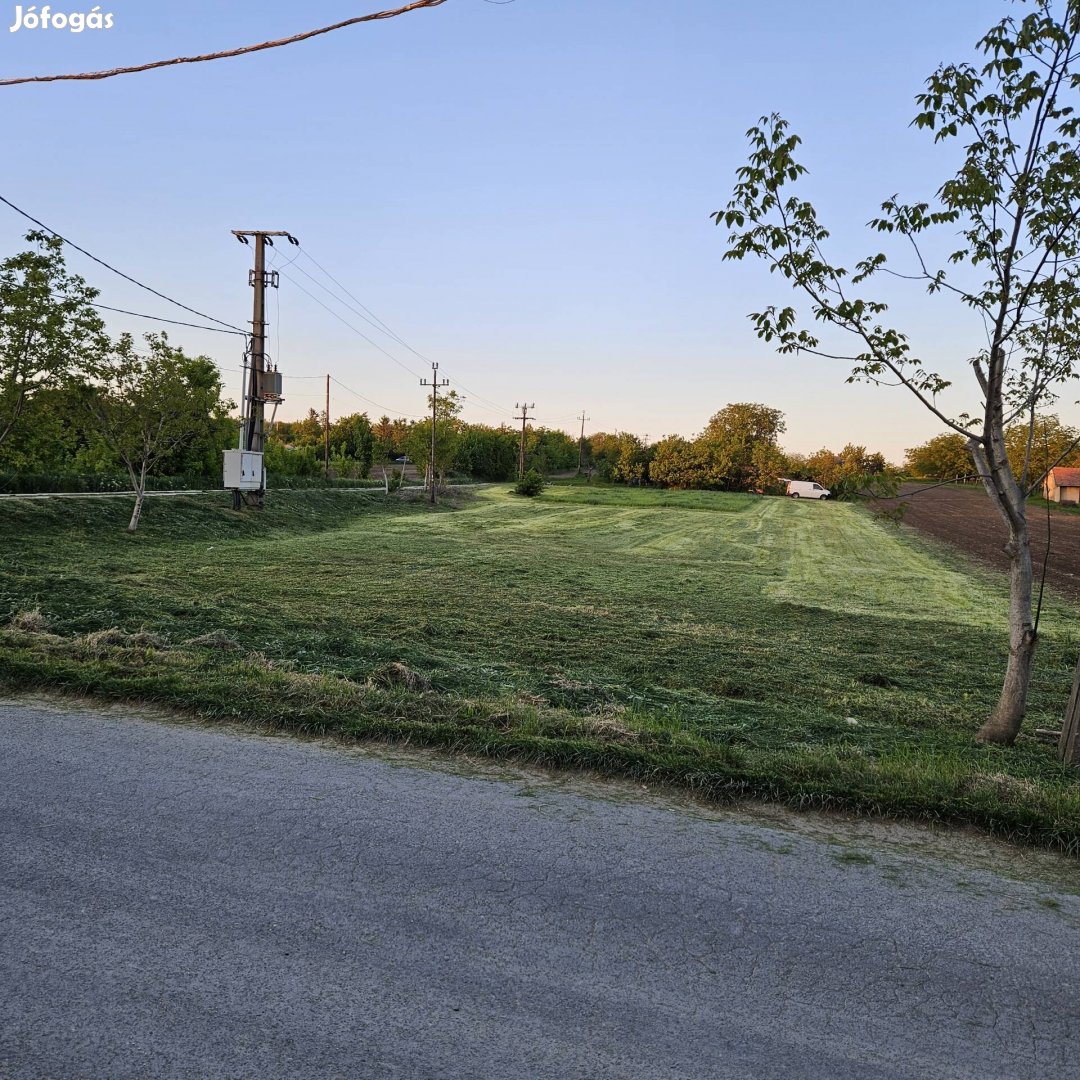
[[966, 519]]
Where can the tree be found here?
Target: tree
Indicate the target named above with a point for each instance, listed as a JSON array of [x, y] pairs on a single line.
[[146, 407], [633, 462], [678, 463], [1016, 203], [47, 325], [352, 444], [944, 456], [604, 451], [488, 453], [844, 469], [447, 435], [1041, 445], [742, 448]]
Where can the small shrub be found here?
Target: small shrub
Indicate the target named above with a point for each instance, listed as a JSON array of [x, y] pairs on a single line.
[[532, 483]]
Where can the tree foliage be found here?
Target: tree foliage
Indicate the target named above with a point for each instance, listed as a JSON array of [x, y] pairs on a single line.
[[944, 457], [47, 326]]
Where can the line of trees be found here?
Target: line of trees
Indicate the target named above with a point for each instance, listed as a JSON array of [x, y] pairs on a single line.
[[1032, 446], [739, 450], [75, 401]]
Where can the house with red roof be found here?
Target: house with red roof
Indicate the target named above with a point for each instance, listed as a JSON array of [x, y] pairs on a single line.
[[1062, 485]]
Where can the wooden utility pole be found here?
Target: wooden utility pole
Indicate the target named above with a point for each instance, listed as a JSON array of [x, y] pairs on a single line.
[[521, 449], [259, 389], [326, 433], [435, 383], [581, 442]]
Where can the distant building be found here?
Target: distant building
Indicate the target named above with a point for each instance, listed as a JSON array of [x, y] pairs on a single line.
[[1063, 485]]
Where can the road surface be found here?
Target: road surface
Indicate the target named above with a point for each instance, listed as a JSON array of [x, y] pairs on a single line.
[[178, 901]]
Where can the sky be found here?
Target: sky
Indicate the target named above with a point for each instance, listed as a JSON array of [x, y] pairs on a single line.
[[521, 192]]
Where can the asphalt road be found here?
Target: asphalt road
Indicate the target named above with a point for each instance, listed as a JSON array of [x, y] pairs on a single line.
[[182, 902]]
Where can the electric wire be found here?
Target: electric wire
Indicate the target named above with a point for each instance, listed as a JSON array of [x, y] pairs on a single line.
[[227, 53], [158, 318], [126, 277], [386, 409], [374, 320], [359, 333]]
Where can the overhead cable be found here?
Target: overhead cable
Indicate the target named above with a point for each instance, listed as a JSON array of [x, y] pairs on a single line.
[[89, 75], [359, 333], [126, 277], [374, 320]]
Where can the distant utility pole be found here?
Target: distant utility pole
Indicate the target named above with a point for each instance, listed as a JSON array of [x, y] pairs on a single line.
[[521, 450], [435, 383], [581, 442], [326, 433], [260, 388]]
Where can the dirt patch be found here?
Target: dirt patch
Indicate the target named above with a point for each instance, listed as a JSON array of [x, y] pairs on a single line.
[[966, 519]]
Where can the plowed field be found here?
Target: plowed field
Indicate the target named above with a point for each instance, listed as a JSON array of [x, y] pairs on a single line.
[[966, 519]]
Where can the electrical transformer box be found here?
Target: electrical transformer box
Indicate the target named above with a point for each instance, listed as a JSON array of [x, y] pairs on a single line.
[[269, 385], [244, 470]]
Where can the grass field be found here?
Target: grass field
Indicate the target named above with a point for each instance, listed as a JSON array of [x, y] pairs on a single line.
[[737, 645]]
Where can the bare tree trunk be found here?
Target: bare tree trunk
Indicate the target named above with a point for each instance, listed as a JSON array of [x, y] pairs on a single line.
[[134, 523], [139, 484], [386, 481], [1004, 722]]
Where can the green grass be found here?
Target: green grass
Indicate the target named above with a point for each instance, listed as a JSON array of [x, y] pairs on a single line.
[[735, 645], [599, 494]]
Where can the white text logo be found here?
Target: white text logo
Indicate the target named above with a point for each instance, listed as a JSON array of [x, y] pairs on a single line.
[[46, 19]]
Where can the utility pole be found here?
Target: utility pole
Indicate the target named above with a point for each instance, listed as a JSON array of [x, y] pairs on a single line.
[[521, 450], [581, 442], [326, 433], [260, 389], [435, 383]]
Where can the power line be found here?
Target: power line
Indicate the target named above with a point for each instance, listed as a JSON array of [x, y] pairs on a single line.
[[158, 318], [374, 320], [359, 333], [385, 327], [126, 277], [307, 34], [385, 408]]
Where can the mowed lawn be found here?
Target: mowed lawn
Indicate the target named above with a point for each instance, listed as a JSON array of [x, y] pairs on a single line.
[[739, 645]]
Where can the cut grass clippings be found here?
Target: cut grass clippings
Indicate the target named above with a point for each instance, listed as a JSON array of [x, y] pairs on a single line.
[[727, 653]]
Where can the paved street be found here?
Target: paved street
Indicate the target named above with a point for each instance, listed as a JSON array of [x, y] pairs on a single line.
[[182, 902]]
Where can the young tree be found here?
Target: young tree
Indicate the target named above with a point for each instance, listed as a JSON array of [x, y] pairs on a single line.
[[47, 326], [1016, 203], [447, 436], [146, 407]]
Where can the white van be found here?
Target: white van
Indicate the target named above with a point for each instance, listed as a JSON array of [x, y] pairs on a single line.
[[805, 489]]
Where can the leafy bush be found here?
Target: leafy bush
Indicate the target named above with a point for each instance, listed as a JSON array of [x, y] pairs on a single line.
[[532, 483]]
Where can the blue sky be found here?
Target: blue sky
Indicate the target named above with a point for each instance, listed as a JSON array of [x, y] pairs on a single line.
[[521, 192]]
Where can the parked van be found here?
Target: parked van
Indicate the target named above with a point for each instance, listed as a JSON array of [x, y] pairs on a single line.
[[805, 489]]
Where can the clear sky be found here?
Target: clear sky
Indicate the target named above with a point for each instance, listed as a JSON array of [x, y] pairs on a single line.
[[521, 191]]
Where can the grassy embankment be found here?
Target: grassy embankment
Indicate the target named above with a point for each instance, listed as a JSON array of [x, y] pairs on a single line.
[[733, 645]]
